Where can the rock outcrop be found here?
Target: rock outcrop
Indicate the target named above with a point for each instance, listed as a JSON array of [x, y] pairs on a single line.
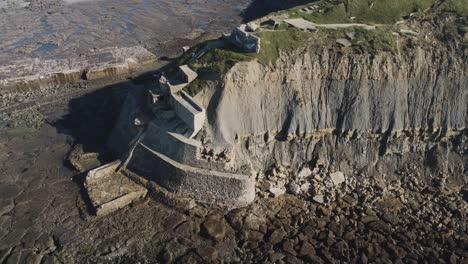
[[365, 112]]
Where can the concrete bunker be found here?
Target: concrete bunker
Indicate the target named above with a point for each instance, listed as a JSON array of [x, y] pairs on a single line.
[[184, 106], [186, 75]]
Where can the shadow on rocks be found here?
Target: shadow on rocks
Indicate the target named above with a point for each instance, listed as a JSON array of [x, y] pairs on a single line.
[[79, 180], [89, 122], [91, 117]]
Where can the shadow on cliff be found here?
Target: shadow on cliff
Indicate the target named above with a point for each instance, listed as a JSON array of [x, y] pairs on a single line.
[[260, 8]]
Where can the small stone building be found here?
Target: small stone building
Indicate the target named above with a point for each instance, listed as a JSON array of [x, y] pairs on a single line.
[[245, 40]]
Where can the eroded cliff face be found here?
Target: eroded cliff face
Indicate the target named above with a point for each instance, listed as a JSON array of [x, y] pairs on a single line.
[[371, 114]]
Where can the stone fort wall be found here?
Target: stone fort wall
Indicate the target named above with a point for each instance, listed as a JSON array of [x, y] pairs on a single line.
[[233, 190]]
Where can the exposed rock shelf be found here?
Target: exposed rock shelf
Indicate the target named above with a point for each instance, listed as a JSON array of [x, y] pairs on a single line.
[[96, 64]]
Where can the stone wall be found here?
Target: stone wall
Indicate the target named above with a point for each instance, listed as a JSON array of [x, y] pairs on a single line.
[[245, 40], [178, 147], [171, 144], [189, 111], [233, 190]]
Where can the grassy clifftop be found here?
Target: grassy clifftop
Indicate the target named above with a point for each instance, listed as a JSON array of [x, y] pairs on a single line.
[[400, 25], [439, 20], [375, 11]]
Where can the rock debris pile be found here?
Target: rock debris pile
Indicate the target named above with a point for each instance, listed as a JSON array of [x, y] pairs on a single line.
[[353, 218]]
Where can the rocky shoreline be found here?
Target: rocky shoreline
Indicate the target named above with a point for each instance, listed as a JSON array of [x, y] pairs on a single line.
[[44, 74]]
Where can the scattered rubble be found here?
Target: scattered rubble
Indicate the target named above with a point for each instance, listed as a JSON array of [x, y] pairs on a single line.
[[81, 161], [337, 178], [277, 191], [350, 35], [214, 228], [409, 32]]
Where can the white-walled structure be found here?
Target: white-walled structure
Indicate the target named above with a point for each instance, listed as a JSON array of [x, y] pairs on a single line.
[[189, 111]]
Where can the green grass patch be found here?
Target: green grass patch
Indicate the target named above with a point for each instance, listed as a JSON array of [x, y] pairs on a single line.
[[328, 12], [220, 60], [373, 41], [454, 31], [458, 7], [364, 11], [365, 41], [274, 42], [385, 11], [217, 61], [462, 29], [195, 87]]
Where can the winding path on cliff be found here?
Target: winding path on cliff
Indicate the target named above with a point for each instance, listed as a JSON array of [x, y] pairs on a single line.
[[305, 24]]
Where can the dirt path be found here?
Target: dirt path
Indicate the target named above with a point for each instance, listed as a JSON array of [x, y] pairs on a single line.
[[305, 24]]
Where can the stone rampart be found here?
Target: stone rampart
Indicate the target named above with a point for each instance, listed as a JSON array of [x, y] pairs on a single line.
[[233, 190], [178, 147], [171, 144]]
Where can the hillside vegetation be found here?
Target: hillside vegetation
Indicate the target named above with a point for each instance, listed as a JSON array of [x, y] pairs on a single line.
[[375, 11]]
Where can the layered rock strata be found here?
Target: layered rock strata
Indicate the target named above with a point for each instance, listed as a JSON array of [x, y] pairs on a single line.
[[359, 112]]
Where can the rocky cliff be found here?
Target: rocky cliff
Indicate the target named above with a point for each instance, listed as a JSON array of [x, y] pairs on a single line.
[[375, 114]]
